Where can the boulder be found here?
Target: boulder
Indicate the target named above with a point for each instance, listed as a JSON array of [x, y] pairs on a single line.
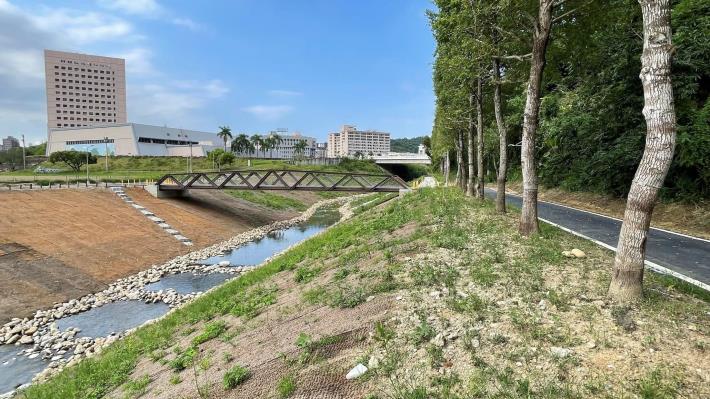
[[578, 253], [26, 339]]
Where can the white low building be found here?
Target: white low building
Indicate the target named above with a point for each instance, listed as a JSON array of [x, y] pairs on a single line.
[[133, 139], [286, 148]]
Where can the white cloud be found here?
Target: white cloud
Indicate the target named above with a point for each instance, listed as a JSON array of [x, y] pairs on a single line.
[[150, 9], [284, 93], [269, 112], [82, 27], [187, 23], [25, 31], [138, 62], [172, 103], [138, 7]]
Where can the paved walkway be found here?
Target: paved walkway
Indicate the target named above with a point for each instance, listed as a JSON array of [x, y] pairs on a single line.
[[680, 253]]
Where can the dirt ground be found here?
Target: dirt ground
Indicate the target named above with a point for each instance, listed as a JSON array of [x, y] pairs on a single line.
[[60, 244], [266, 346], [692, 219]]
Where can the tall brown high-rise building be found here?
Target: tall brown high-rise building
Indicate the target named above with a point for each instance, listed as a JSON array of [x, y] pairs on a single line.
[[84, 90]]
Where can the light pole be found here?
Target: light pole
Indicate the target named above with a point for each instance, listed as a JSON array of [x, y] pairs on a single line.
[[24, 163], [106, 151], [190, 144], [87, 168]]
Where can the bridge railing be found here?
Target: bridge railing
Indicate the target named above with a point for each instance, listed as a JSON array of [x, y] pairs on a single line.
[[271, 179]]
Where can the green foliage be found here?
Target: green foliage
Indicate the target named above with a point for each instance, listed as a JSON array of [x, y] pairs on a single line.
[[286, 386], [184, 359], [658, 384], [267, 199], [136, 388], [235, 376], [591, 127], [249, 304], [406, 144], [305, 274], [212, 330], [73, 159]]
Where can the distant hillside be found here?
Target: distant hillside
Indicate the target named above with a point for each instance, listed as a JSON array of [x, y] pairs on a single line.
[[406, 144]]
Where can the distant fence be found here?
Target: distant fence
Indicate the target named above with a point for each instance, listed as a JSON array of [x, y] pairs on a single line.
[[315, 161], [74, 185]]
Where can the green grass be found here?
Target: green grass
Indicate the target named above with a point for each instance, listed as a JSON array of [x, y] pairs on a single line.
[[286, 386], [136, 388], [250, 294], [235, 376], [212, 330], [267, 199]]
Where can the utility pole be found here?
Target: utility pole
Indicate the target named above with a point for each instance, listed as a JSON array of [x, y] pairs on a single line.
[[190, 143], [106, 151], [24, 162]]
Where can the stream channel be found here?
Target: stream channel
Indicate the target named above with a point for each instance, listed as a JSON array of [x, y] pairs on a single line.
[[115, 317]]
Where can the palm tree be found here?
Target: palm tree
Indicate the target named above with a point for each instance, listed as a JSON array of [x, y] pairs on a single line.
[[225, 133], [299, 148], [241, 144], [272, 142], [257, 142]]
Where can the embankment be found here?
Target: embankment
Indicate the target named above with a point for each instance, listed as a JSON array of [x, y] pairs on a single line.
[[61, 244]]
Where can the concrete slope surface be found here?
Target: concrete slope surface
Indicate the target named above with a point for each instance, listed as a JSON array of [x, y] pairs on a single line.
[[683, 254]]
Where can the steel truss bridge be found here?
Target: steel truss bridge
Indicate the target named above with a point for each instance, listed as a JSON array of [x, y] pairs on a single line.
[[303, 180]]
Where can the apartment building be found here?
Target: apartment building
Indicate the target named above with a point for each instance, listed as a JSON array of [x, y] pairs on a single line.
[[349, 142], [9, 143], [84, 90]]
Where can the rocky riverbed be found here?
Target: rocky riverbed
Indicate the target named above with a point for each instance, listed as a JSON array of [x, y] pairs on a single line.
[[62, 348]]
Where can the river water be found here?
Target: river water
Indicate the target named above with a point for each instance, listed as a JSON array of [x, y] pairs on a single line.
[[116, 317]]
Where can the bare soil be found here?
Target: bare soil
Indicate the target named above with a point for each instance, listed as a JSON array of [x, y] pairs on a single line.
[[61, 244], [266, 346], [691, 219]]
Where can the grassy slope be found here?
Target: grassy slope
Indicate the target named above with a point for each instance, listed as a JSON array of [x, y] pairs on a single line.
[[155, 167], [269, 200], [508, 300]]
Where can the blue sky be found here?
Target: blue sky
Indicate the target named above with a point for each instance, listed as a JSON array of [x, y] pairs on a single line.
[[256, 65]]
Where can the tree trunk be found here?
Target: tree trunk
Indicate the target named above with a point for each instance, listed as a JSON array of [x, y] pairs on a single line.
[[528, 216], [447, 169], [479, 139], [503, 138], [659, 112], [460, 167], [471, 128]]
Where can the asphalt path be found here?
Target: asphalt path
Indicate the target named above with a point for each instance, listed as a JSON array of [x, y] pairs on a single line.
[[680, 253]]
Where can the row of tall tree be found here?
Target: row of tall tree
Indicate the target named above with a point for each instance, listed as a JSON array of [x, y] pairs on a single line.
[[551, 88]]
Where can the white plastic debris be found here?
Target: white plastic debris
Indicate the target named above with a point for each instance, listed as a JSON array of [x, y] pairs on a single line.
[[356, 372]]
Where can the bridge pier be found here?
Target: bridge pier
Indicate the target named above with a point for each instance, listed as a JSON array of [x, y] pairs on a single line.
[[156, 192]]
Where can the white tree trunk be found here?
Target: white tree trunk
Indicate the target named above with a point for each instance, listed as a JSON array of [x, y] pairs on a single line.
[[479, 140], [528, 216], [659, 112], [471, 127], [447, 169], [461, 167], [503, 140]]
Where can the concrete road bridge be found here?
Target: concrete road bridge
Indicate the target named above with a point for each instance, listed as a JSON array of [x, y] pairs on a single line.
[[402, 158], [273, 179]]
